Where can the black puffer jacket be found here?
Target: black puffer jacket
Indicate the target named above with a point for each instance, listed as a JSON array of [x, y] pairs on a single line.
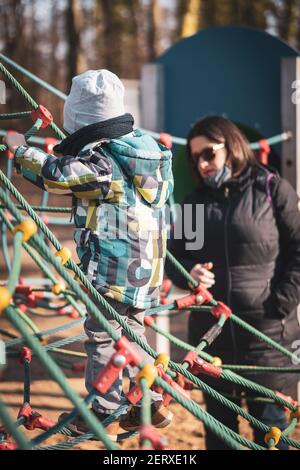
[[252, 236]]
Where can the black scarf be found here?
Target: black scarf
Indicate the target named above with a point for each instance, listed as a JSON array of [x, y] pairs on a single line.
[[109, 129]]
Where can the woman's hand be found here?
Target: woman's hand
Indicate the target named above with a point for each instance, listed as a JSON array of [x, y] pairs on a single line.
[[13, 141], [202, 274]]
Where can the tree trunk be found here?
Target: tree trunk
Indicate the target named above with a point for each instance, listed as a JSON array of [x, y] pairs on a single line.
[[153, 32], [75, 60], [189, 16]]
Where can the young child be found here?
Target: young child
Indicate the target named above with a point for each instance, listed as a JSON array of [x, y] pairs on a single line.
[[120, 180]]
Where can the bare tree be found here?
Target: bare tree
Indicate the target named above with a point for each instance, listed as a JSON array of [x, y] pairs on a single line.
[[188, 17], [153, 37], [286, 13], [75, 58]]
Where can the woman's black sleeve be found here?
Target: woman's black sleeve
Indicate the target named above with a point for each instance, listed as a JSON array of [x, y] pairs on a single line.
[[286, 292]]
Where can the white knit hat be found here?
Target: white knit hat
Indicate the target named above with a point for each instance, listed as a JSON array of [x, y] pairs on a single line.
[[96, 95]]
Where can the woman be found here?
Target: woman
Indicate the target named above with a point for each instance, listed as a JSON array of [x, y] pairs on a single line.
[[250, 260]]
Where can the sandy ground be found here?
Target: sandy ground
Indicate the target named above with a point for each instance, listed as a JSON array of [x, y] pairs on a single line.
[[184, 433]]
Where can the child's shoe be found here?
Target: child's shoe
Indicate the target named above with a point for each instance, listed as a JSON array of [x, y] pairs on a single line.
[[161, 417]]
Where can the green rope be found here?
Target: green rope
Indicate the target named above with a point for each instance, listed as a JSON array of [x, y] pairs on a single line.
[[59, 377], [259, 369], [146, 403], [28, 98], [110, 310], [33, 77], [16, 265], [70, 281], [116, 316], [263, 337], [33, 130], [225, 434], [21, 115], [45, 209], [42, 333], [145, 408], [216, 395], [12, 429], [27, 320]]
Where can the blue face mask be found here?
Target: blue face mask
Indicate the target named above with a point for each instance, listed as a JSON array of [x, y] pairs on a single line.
[[219, 178]]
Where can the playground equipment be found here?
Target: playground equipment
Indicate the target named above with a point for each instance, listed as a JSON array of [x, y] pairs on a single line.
[[241, 73], [173, 380]]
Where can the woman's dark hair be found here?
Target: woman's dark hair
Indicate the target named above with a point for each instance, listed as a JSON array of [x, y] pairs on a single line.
[[219, 129]]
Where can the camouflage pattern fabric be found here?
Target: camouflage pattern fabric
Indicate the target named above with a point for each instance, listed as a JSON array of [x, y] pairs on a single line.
[[119, 188]]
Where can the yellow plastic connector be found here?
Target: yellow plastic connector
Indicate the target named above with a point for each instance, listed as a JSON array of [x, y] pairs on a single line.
[[273, 448], [217, 361], [149, 372], [163, 360], [28, 227], [295, 414], [65, 254], [58, 288], [5, 298], [274, 433]]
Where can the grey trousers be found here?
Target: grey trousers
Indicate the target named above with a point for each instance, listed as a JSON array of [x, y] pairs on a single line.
[[99, 349]]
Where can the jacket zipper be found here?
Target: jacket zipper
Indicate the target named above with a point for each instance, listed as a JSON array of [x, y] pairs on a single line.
[[228, 300]]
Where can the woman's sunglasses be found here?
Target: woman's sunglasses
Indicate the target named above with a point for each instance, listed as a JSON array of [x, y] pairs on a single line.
[[209, 153]]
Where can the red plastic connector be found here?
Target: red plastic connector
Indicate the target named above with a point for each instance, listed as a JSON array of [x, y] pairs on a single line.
[[42, 113], [264, 151], [184, 382], [45, 219], [134, 395], [199, 297], [287, 398], [23, 289], [149, 433], [31, 301], [166, 397], [207, 296], [166, 140], [62, 311], [25, 355], [33, 419], [23, 308], [164, 291], [49, 143], [70, 312], [73, 313], [125, 354], [220, 309], [149, 320], [8, 446], [197, 365], [186, 301], [7, 152], [78, 367], [8, 215], [166, 286]]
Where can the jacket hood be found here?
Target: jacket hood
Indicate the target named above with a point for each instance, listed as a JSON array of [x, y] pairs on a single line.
[[147, 163]]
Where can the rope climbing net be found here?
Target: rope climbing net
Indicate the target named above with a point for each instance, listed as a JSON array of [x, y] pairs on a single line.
[[19, 302]]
